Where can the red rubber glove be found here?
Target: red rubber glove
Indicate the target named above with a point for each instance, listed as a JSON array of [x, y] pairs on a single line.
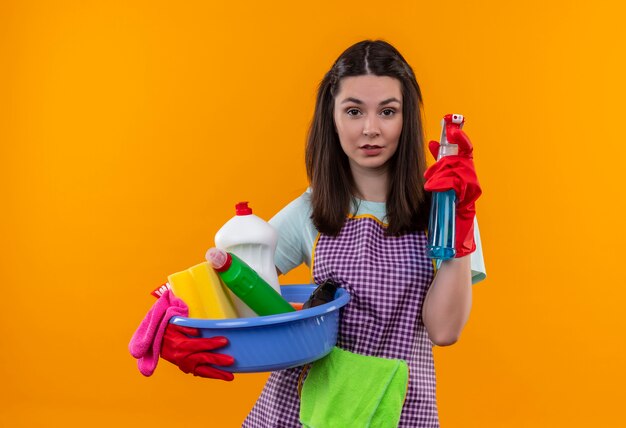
[[183, 346], [456, 172]]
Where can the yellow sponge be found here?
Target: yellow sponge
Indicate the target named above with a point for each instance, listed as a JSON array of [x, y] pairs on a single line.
[[203, 292]]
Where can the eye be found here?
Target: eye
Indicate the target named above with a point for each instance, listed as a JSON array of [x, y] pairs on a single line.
[[388, 112], [352, 111]]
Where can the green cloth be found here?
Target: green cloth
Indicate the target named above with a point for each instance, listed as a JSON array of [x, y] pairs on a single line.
[[345, 389]]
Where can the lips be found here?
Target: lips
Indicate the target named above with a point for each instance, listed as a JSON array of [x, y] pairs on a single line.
[[371, 149]]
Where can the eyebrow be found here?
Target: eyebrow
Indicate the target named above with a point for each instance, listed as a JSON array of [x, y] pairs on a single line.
[[382, 103]]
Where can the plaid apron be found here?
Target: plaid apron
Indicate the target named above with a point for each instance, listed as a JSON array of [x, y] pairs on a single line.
[[387, 278]]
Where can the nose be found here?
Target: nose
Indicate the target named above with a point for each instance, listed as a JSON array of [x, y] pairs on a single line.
[[371, 127]]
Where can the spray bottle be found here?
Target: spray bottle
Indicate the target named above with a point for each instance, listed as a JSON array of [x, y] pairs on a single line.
[[247, 284], [252, 240], [441, 227]]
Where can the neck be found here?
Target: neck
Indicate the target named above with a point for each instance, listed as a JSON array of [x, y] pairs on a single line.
[[371, 184]]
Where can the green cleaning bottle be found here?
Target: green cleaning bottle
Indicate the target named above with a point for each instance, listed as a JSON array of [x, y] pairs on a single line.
[[242, 280]]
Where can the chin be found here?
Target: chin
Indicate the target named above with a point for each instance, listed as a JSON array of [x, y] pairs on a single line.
[[375, 164]]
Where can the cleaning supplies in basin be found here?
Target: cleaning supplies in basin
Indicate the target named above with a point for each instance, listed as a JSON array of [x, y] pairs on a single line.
[[203, 292], [324, 293], [253, 240], [247, 284]]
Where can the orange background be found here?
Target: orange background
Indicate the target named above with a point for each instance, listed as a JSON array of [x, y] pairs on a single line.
[[129, 129]]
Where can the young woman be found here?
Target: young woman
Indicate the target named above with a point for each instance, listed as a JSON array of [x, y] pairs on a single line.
[[362, 224]]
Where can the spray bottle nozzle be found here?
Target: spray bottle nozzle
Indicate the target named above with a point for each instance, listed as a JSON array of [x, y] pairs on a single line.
[[445, 148]]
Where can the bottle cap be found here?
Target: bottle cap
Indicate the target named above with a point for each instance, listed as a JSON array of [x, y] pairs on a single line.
[[242, 208], [219, 259]]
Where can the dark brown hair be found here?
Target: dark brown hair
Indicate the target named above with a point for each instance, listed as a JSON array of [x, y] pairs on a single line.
[[328, 170]]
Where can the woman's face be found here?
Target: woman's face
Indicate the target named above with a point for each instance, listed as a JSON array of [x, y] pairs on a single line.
[[368, 120]]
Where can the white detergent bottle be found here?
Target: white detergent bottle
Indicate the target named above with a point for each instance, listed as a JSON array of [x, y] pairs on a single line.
[[253, 240]]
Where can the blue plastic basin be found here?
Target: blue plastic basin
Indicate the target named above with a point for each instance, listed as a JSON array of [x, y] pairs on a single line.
[[276, 342]]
